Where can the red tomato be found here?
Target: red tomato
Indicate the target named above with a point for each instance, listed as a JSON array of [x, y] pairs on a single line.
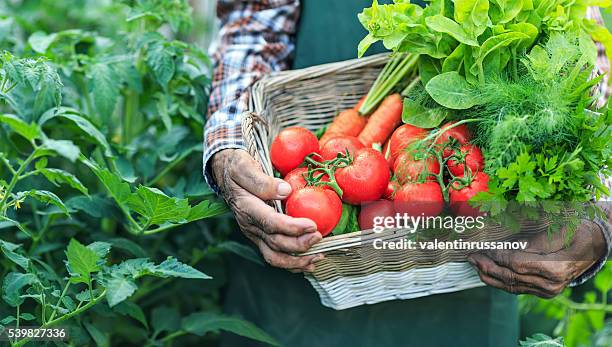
[[392, 187], [371, 210], [320, 205], [402, 137], [461, 133], [459, 197], [473, 158], [418, 199], [407, 169], [296, 180], [366, 179], [339, 144], [290, 147]]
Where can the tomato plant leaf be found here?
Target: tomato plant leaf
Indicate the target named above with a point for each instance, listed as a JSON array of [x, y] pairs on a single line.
[[44, 196], [57, 176], [173, 268], [156, 207], [451, 90], [128, 246], [164, 318], [603, 280], [40, 41], [201, 323], [160, 58], [104, 86], [7, 222], [65, 148], [87, 128], [28, 131], [130, 309], [101, 249], [119, 190], [9, 249], [13, 284], [118, 289], [206, 209], [100, 338], [82, 262]]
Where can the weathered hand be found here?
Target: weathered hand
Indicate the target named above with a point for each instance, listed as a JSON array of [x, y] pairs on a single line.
[[546, 266], [245, 187]]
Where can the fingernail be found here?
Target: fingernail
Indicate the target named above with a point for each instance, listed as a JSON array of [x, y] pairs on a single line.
[[316, 237], [284, 189], [311, 229], [471, 260], [307, 225]]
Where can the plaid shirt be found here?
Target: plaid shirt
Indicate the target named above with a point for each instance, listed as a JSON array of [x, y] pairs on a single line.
[[255, 39]]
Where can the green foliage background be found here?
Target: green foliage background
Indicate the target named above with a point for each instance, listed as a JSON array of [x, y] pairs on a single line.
[[106, 225], [101, 116]]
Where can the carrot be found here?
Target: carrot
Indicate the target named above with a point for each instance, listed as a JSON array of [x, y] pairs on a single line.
[[383, 121], [361, 101], [347, 122]]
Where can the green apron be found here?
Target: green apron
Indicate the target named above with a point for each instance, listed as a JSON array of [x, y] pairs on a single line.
[[288, 308]]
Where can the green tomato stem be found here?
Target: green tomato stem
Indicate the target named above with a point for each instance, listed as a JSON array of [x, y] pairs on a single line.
[[59, 301], [14, 181], [67, 316]]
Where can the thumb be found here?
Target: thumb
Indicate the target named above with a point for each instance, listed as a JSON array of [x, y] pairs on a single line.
[[247, 173]]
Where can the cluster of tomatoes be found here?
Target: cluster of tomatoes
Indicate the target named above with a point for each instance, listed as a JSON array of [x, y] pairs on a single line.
[[416, 173]]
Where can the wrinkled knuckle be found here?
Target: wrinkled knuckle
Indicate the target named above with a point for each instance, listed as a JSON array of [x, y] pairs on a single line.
[[266, 224], [302, 246], [272, 260], [272, 241], [557, 274]]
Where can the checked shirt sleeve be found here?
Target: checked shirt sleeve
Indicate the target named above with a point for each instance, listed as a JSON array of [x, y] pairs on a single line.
[[255, 38]]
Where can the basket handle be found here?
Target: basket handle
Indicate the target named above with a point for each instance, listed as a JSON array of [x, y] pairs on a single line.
[[249, 121]]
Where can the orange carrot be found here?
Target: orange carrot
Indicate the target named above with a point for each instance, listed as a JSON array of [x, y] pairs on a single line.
[[383, 121], [358, 106], [347, 122]]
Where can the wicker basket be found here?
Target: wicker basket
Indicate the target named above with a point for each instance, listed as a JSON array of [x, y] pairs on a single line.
[[353, 272]]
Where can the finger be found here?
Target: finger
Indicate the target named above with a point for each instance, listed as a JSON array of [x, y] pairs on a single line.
[[267, 219], [247, 173], [292, 244], [493, 282], [284, 243], [511, 279], [525, 263], [286, 261]]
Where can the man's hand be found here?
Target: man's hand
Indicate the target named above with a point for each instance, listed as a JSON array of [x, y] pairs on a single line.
[[245, 187], [546, 266]]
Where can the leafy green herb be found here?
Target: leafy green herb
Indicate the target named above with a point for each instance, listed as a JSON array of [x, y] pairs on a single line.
[[474, 39]]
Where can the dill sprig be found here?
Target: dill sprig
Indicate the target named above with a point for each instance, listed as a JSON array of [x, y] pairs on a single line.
[[538, 107]]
